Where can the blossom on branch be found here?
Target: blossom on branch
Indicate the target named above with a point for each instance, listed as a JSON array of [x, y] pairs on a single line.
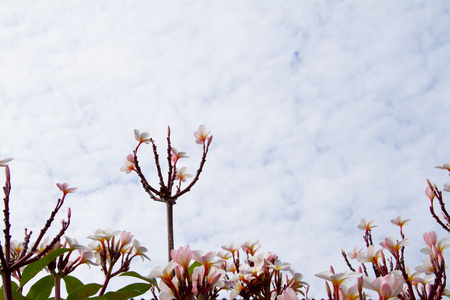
[[201, 136], [387, 287], [445, 166], [64, 187], [182, 175], [176, 155], [143, 137], [129, 164], [4, 161]]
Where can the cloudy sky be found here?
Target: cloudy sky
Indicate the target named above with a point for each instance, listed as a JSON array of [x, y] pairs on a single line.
[[323, 113]]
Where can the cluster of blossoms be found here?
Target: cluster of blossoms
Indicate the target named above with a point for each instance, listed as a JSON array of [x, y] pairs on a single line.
[[238, 268], [393, 278], [196, 275]]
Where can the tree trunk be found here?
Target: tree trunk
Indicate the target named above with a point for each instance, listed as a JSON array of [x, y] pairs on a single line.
[[169, 206]]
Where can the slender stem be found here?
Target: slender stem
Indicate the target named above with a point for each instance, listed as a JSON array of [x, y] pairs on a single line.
[[57, 287], [107, 279], [169, 208], [6, 279]]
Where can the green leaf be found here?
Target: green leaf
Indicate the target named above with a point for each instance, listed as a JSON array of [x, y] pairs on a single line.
[[84, 291], [16, 295], [42, 289], [193, 266], [32, 269], [132, 290], [72, 283], [134, 274]]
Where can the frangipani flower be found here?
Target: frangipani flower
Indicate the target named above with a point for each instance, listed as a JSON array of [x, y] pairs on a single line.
[[140, 250], [288, 294], [445, 166], [349, 292], [103, 234], [426, 267], [182, 175], [447, 187], [251, 248], [176, 155], [366, 226], [64, 187], [399, 221], [182, 256], [160, 272], [354, 253], [297, 280], [387, 287], [208, 260], [141, 137], [129, 164], [279, 266], [431, 241], [73, 243], [337, 278], [393, 245], [231, 248], [430, 193], [4, 161], [372, 255], [201, 135]]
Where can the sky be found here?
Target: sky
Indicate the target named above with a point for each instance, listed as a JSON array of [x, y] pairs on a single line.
[[322, 112]]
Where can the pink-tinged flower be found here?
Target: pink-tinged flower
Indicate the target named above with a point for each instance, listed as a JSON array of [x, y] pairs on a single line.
[[125, 238], [399, 221], [447, 187], [182, 256], [85, 257], [354, 253], [201, 135], [4, 161], [129, 164], [279, 266], [387, 287], [348, 292], [224, 256], [372, 255], [231, 248], [445, 166], [140, 250], [208, 260], [166, 292], [336, 278], [366, 226], [160, 272], [251, 248], [143, 137], [423, 280], [426, 267], [430, 239], [288, 294], [297, 279], [103, 234], [176, 155], [43, 245], [394, 246], [430, 193], [64, 187], [237, 288], [73, 243], [182, 175], [17, 247]]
